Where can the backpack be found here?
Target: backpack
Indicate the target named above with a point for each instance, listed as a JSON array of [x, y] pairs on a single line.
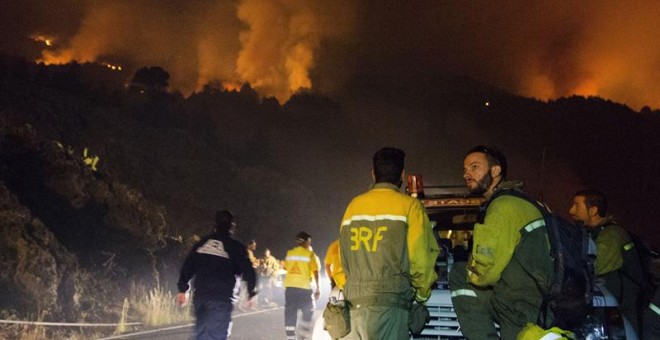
[[637, 258], [570, 294]]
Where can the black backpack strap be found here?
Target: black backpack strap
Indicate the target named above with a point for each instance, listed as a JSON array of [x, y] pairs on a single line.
[[500, 192], [511, 192]]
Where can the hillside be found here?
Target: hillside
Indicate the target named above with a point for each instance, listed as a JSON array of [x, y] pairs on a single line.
[[73, 241], [168, 162]]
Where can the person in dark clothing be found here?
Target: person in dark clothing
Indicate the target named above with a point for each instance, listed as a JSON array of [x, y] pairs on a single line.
[[215, 262], [651, 312]]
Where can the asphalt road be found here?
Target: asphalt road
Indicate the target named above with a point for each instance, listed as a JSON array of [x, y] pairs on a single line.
[[265, 323]]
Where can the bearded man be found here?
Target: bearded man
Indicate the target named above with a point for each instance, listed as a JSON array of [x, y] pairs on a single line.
[[510, 267], [618, 264]]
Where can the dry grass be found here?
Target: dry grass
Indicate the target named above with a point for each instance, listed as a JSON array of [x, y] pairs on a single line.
[[22, 332], [158, 306], [38, 332], [151, 307]]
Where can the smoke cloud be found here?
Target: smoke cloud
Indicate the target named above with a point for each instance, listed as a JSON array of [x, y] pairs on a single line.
[[270, 44], [539, 49]]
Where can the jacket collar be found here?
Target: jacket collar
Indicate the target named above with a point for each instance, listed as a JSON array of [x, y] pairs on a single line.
[[503, 185], [385, 185]]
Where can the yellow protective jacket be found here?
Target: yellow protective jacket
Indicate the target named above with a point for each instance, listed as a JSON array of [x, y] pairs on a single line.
[[534, 332], [387, 248], [498, 236], [253, 259], [333, 260], [300, 264], [268, 266]]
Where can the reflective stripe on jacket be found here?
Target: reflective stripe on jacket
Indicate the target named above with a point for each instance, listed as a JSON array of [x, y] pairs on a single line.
[[387, 246], [300, 264]]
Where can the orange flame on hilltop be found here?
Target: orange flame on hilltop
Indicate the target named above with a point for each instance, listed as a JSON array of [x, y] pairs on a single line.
[[551, 49], [272, 45], [231, 85], [46, 40]]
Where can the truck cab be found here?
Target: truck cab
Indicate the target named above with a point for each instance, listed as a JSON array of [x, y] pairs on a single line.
[[453, 212]]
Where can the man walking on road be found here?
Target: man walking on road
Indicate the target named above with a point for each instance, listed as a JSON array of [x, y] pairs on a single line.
[[215, 262]]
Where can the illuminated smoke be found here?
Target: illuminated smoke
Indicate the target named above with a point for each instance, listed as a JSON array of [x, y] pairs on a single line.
[[278, 47], [613, 54], [281, 41], [218, 45], [270, 44], [551, 49], [135, 32], [99, 34], [542, 49]]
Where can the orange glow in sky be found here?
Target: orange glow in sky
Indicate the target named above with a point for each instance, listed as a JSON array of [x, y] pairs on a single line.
[[544, 50]]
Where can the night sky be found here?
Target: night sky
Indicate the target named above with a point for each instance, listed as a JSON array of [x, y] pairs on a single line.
[[542, 49]]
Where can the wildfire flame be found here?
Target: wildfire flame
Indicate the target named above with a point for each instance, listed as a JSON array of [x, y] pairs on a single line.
[[272, 45], [231, 85], [48, 41], [606, 48]]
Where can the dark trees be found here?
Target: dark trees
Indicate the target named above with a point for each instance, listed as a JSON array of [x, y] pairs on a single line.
[[150, 79]]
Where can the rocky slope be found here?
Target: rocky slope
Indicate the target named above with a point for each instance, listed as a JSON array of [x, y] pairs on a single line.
[[72, 240]]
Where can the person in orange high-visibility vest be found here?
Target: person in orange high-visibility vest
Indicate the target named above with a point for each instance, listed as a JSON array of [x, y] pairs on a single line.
[[300, 264]]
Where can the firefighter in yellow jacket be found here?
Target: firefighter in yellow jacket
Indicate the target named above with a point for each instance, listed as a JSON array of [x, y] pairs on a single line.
[[510, 267], [388, 253], [300, 265], [333, 266]]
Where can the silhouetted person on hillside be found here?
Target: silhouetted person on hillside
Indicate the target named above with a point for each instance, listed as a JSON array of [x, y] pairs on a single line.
[[216, 261]]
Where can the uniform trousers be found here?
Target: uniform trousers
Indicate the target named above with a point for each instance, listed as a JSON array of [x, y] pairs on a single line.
[[297, 299], [213, 319]]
